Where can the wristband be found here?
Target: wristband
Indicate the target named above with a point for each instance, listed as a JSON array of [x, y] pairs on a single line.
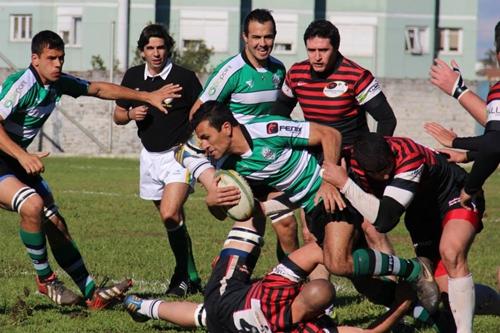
[[459, 88]]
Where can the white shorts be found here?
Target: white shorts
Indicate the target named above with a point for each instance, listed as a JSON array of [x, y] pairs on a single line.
[[158, 170]]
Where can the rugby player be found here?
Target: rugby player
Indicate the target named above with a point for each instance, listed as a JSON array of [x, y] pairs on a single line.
[[27, 98]]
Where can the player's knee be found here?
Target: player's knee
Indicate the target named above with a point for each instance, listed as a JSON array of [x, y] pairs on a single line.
[[451, 257], [170, 217], [338, 267], [31, 207]]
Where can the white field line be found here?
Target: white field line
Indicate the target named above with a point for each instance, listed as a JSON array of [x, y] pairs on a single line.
[[113, 194]]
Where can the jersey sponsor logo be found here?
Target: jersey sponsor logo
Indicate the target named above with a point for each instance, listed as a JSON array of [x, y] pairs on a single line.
[[372, 90], [268, 154], [272, 128], [218, 80], [276, 80], [290, 128], [12, 97], [493, 110], [249, 83], [335, 88], [301, 83]]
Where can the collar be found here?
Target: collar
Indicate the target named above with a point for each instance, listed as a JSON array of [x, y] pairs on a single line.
[[37, 77], [262, 69], [164, 72], [324, 75], [247, 137]]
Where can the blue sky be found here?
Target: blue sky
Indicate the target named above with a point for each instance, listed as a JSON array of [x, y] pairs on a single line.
[[489, 15]]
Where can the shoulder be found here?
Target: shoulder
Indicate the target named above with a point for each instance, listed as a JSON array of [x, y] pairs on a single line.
[[300, 66], [183, 73], [276, 62], [494, 93], [353, 67], [135, 72], [232, 63]]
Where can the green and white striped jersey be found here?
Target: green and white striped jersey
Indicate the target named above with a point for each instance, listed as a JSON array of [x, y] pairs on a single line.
[[25, 103], [248, 91], [279, 158]]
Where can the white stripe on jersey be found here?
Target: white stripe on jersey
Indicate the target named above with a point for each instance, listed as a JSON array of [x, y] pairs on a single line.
[[404, 197], [412, 175], [286, 90], [286, 128], [302, 193], [255, 97], [218, 82], [243, 118], [493, 108], [372, 90], [299, 168], [16, 92], [272, 168]]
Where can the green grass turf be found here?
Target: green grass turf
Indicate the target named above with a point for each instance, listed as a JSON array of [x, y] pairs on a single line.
[[121, 236]]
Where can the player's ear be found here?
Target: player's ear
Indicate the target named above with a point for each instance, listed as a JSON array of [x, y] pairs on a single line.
[[35, 59]]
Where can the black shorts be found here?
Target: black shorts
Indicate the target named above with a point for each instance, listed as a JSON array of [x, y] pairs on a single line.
[[9, 166], [318, 218], [225, 292], [430, 209]]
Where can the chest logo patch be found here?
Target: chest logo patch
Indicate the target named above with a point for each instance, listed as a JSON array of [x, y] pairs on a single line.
[[335, 88], [268, 154], [276, 80], [272, 128]]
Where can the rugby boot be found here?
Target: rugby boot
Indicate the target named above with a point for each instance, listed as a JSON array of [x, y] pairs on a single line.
[[54, 289], [133, 304], [105, 296], [180, 287], [425, 286]]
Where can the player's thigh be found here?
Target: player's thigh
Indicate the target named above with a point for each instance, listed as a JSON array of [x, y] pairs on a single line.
[[456, 239], [174, 196], [11, 194], [337, 246]]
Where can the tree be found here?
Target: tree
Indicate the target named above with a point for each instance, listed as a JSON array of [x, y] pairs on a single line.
[[195, 56]]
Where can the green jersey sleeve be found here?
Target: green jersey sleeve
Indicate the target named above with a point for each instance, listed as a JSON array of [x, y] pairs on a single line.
[[73, 86]]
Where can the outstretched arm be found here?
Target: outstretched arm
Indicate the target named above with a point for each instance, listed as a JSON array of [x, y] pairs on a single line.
[[450, 82], [111, 91]]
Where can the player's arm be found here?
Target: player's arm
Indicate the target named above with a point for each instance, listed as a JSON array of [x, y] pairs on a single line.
[[32, 163], [378, 107], [485, 164], [328, 138], [449, 80], [383, 213], [111, 91]]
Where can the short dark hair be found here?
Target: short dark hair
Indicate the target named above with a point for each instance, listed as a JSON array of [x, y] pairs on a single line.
[[497, 36], [158, 31], [373, 153], [46, 39], [260, 15], [216, 113], [323, 29]]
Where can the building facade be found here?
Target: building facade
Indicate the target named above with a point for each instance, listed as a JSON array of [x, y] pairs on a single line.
[[395, 39]]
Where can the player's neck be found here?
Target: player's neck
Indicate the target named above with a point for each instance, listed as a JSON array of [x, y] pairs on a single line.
[[239, 144]]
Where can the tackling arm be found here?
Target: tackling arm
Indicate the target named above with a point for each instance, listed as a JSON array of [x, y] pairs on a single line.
[[381, 111]]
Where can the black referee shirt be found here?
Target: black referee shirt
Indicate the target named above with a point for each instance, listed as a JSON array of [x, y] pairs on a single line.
[[160, 131]]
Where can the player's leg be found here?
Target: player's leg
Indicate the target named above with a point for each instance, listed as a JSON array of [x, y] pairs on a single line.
[[184, 314], [376, 240], [16, 196], [185, 279], [457, 237]]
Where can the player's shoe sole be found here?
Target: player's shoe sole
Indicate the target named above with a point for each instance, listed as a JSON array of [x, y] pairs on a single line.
[[425, 286]]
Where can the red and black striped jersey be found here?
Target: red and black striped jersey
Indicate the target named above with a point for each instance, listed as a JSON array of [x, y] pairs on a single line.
[[493, 103], [413, 164], [276, 292], [334, 100]]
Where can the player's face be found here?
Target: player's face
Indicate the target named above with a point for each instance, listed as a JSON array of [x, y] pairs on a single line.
[[259, 42], [320, 53], [48, 64], [155, 54], [215, 143]]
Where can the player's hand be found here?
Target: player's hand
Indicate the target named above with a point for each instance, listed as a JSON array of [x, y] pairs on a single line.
[[465, 200], [32, 162], [442, 135], [168, 91], [335, 174], [455, 156], [222, 196], [331, 197], [138, 113], [443, 76]]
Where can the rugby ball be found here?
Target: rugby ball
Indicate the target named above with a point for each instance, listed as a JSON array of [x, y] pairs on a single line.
[[243, 210]]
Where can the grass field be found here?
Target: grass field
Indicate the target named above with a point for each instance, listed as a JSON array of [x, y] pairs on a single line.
[[121, 236]]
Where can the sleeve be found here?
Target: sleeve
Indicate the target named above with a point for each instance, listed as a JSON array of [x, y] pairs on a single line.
[[123, 103], [381, 111], [366, 88], [487, 143], [220, 84], [73, 86], [485, 164], [9, 99]]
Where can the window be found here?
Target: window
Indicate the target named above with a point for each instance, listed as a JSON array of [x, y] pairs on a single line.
[[357, 34], [69, 25], [209, 26], [286, 38], [20, 27], [417, 40], [450, 41]]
